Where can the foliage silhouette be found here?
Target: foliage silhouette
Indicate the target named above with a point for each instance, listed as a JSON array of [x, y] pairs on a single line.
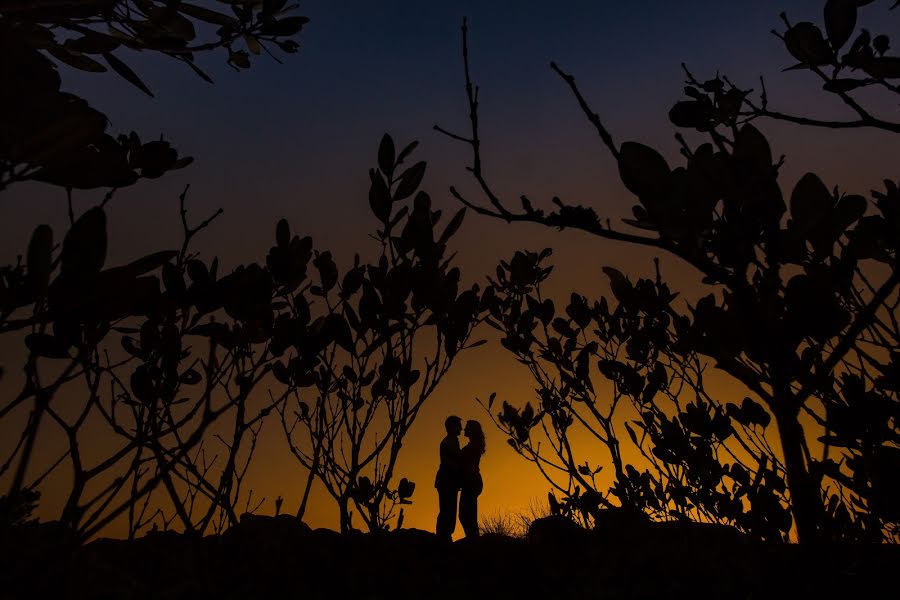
[[74, 309], [57, 137], [801, 311], [187, 422], [364, 358], [70, 305]]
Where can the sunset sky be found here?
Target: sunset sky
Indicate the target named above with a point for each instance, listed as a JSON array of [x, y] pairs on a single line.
[[296, 140]]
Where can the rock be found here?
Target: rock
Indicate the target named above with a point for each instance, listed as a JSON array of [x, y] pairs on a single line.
[[556, 530], [265, 526]]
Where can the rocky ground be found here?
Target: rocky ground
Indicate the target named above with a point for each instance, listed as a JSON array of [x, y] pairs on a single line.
[[280, 557]]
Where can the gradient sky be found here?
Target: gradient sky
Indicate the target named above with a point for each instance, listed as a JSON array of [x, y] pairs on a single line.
[[296, 140]]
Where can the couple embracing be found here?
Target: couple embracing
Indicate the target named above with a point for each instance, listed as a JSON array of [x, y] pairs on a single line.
[[458, 480]]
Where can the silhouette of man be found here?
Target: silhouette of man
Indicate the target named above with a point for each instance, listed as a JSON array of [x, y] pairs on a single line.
[[447, 481]]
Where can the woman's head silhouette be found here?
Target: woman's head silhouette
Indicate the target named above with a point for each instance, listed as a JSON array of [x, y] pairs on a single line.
[[475, 434]]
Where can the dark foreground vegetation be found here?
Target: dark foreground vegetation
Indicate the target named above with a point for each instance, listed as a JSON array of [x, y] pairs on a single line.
[[275, 557]]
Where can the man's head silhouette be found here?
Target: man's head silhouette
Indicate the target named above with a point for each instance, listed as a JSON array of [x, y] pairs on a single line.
[[453, 424]]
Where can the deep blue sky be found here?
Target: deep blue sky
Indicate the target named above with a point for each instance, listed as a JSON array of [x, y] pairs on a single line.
[[296, 139]]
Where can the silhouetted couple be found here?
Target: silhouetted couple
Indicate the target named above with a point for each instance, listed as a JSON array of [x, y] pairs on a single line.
[[458, 480]]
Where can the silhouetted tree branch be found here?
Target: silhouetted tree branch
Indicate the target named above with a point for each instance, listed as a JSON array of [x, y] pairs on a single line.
[[805, 319]]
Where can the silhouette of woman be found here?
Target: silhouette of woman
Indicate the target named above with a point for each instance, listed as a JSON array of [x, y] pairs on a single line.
[[470, 480]]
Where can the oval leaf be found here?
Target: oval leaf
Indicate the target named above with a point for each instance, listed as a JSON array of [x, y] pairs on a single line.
[[386, 156], [84, 248], [840, 21], [40, 259], [805, 43], [810, 201], [642, 169], [410, 180]]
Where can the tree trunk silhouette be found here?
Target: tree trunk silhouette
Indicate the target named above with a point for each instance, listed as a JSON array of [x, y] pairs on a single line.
[[344, 508], [804, 504], [309, 481]]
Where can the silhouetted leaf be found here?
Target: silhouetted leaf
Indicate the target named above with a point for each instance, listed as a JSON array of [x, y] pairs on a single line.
[[621, 287], [76, 60], [693, 114], [327, 270], [252, 44], [386, 156], [281, 372], [205, 14], [751, 146], [643, 170], [40, 260], [406, 152], [578, 310], [283, 233], [810, 201], [173, 281], [239, 59], [631, 433], [363, 491], [754, 413], [840, 21], [125, 71], [131, 347], [93, 42], [410, 180], [287, 26], [353, 280], [148, 263], [198, 71], [154, 158], [452, 226], [379, 197], [405, 488], [339, 331], [848, 210], [141, 384], [84, 248], [197, 271], [806, 43]]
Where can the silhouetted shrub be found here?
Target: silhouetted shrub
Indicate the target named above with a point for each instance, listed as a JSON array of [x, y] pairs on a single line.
[[364, 359]]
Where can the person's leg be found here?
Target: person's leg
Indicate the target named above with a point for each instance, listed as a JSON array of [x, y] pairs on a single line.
[[446, 519], [468, 513]]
